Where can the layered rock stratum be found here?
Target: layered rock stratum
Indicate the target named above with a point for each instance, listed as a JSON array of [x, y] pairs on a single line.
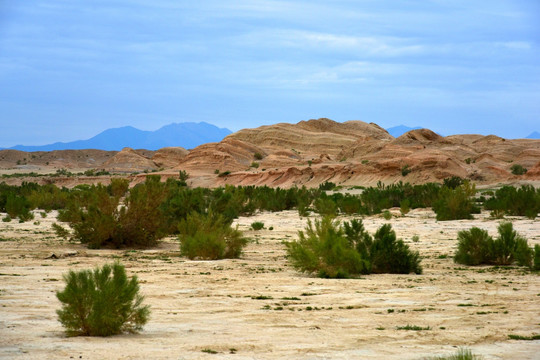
[[311, 152]]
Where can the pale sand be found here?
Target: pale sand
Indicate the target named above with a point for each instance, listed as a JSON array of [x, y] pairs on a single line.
[[199, 305]]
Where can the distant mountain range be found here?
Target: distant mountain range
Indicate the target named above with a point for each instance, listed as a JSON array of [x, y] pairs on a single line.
[[187, 135]]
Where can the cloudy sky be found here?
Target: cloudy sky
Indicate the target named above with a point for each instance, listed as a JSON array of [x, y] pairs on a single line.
[[71, 69]]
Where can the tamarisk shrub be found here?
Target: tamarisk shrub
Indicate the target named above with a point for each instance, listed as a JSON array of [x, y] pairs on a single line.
[[102, 302]]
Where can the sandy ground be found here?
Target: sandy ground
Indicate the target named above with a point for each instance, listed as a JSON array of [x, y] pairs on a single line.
[[212, 305]]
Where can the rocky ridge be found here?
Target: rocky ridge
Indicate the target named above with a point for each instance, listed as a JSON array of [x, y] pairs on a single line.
[[311, 152]]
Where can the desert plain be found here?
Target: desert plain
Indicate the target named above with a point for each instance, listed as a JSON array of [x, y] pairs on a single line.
[[260, 307]]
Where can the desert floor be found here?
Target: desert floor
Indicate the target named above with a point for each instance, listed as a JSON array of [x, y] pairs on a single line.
[[199, 306]]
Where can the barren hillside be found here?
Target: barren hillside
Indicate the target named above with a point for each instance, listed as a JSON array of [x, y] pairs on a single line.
[[308, 153]]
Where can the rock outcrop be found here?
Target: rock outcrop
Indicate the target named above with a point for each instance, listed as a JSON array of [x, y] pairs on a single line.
[[311, 152]]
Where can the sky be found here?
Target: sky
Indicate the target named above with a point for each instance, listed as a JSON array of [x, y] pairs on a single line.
[[71, 69]]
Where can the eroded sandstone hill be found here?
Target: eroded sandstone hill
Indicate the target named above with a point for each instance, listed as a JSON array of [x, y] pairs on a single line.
[[357, 153], [314, 151]]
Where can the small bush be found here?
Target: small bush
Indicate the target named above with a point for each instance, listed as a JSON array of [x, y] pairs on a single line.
[[476, 247], [405, 206], [389, 255], [526, 338], [330, 250], [257, 225], [254, 165], [455, 204], [536, 262], [523, 201], [508, 244], [387, 215], [18, 206], [413, 327], [325, 206], [453, 182], [257, 156], [324, 250], [327, 185], [224, 173], [102, 302], [99, 221], [517, 169], [473, 247], [209, 237], [405, 170], [183, 175]]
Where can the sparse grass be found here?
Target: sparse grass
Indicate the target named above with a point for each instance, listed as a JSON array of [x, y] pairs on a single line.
[[209, 351], [462, 354], [521, 337], [262, 297], [413, 327]]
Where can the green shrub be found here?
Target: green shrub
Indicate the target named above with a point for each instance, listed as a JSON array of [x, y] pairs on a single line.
[[254, 165], [387, 215], [536, 261], [405, 170], [209, 237], [141, 221], [98, 220], [324, 250], [405, 206], [18, 206], [325, 206], [455, 204], [517, 169], [101, 302], [183, 176], [330, 250], [327, 185], [504, 249], [453, 182], [476, 247], [257, 225], [473, 247], [257, 156], [303, 209], [389, 255], [523, 201]]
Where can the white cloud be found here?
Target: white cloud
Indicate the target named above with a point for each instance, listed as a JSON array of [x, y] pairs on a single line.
[[327, 42]]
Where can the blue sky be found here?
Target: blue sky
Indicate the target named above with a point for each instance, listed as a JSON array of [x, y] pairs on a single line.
[[71, 69]]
